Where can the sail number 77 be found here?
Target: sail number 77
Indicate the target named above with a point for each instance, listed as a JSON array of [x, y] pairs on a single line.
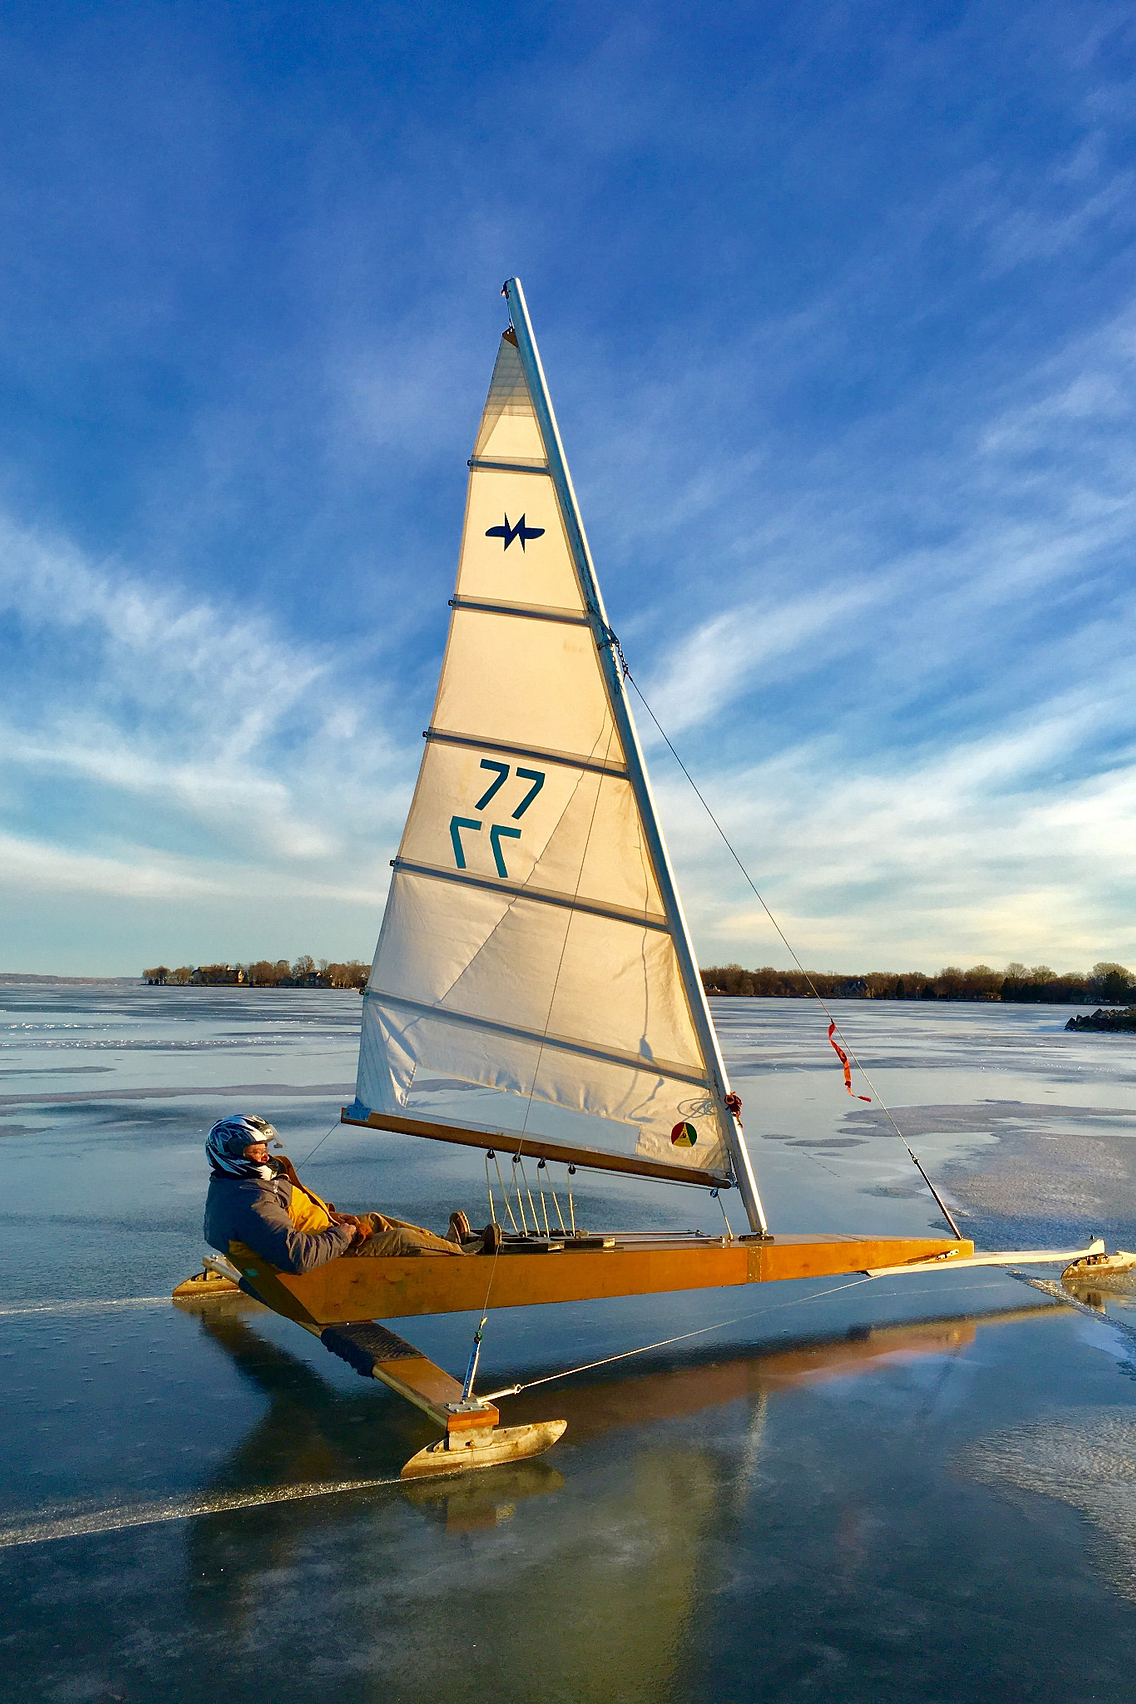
[[497, 831], [502, 771]]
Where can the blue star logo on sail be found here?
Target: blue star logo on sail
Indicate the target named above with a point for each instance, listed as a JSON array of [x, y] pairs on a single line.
[[509, 532]]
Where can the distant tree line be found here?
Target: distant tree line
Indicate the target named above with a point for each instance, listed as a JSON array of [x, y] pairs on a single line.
[[1107, 982], [265, 973]]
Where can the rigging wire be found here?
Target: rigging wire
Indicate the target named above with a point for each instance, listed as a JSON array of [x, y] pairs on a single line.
[[665, 1343], [519, 1160], [320, 1143], [541, 1168], [940, 1203], [555, 1201], [520, 1198], [834, 1029], [475, 1351], [491, 1155]]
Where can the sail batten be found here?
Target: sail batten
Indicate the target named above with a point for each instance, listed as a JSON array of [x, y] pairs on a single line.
[[534, 971], [507, 467], [540, 754], [668, 1068], [530, 612], [539, 896]]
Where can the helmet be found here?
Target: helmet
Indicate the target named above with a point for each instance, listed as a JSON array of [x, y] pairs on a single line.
[[226, 1143]]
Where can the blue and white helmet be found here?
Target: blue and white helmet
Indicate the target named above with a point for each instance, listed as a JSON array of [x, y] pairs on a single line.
[[226, 1143]]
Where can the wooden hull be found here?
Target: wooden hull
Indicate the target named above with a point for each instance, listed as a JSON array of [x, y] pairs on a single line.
[[346, 1289], [342, 1301]]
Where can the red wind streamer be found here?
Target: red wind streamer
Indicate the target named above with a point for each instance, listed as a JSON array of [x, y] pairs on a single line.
[[844, 1061]]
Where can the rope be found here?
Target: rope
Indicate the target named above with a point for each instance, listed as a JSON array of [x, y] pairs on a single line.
[[556, 1204], [320, 1143], [520, 1199], [541, 1168], [520, 1161], [505, 1193], [475, 1351], [665, 1343], [835, 1027]]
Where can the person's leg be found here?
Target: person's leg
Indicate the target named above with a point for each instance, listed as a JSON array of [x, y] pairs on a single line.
[[392, 1237], [385, 1221]]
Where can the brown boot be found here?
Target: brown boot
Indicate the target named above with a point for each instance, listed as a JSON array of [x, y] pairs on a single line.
[[459, 1231]]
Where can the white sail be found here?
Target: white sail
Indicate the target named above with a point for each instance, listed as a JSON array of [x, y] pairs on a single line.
[[530, 976]]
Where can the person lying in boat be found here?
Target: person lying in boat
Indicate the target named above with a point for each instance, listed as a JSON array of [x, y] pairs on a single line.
[[256, 1200]]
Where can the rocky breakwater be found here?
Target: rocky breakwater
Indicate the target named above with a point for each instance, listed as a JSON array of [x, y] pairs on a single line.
[[1110, 1018]]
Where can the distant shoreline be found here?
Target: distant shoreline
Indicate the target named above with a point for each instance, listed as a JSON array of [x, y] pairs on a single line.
[[1106, 984], [16, 979], [10, 976]]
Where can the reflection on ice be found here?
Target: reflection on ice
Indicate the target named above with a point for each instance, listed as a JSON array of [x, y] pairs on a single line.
[[770, 1517], [472, 1502]]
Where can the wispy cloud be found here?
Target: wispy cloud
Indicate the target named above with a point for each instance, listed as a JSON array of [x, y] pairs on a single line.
[[163, 746], [752, 648], [1015, 845], [838, 314], [955, 774]]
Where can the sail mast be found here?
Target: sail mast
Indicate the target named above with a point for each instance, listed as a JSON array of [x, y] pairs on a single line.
[[637, 771]]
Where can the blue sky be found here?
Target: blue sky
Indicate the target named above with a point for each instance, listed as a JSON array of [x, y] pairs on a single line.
[[837, 308]]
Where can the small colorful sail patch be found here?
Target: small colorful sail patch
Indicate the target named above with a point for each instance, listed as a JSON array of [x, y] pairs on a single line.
[[844, 1062], [684, 1136]]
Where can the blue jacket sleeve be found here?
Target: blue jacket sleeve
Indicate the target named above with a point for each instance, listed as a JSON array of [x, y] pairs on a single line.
[[244, 1210]]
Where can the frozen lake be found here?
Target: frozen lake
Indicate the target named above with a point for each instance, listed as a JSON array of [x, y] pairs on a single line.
[[912, 1489]]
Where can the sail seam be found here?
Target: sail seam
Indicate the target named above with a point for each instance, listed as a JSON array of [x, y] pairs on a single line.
[[543, 896], [565, 1044], [529, 612], [596, 765]]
